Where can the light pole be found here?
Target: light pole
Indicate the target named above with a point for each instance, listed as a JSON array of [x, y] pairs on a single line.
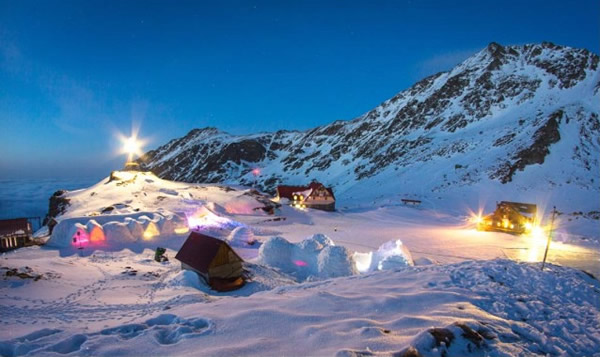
[[549, 236]]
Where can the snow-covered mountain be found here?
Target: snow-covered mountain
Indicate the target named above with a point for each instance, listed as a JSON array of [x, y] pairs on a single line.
[[519, 120]]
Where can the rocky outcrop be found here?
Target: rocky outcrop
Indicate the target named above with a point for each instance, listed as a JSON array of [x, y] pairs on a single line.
[[545, 136], [58, 205]]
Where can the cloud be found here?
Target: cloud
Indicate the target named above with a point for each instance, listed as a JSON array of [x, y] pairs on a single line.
[[444, 61]]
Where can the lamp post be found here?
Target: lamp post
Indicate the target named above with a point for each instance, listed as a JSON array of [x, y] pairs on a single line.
[[549, 236]]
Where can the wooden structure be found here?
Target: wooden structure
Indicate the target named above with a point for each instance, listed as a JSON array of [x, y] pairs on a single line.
[[315, 195], [132, 166], [510, 217], [214, 260], [410, 201], [15, 233]]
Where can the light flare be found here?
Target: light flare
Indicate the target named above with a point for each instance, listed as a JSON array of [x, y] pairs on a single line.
[[538, 235], [132, 145], [475, 217]]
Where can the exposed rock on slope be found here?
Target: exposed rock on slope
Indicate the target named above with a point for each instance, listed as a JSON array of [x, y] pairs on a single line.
[[490, 118]]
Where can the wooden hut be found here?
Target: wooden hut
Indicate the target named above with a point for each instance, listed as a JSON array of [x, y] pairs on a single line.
[[315, 195], [214, 260], [14, 233]]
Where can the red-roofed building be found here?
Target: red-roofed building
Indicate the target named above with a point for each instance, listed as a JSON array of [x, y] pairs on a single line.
[[214, 260], [315, 195]]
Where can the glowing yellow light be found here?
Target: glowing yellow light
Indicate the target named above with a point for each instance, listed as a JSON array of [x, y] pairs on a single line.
[[476, 217], [538, 234], [97, 235], [533, 253], [505, 223], [131, 146], [151, 231], [182, 230], [528, 226]]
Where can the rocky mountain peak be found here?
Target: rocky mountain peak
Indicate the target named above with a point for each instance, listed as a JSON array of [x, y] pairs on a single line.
[[504, 110]]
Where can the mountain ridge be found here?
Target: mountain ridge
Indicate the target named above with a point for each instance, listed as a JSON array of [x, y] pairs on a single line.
[[509, 104]]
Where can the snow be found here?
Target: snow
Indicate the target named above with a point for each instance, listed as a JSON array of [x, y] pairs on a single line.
[[374, 278], [138, 207], [369, 280], [316, 257], [437, 164], [241, 236], [91, 307], [390, 255]]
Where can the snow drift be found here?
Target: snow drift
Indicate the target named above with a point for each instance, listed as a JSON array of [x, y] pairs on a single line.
[[316, 257], [390, 255], [241, 236]]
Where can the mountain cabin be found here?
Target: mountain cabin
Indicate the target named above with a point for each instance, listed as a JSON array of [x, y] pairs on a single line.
[[14, 233], [315, 195], [213, 260]]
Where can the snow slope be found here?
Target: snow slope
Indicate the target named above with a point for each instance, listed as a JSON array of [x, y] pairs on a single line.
[[139, 210], [304, 294], [95, 306], [514, 123]]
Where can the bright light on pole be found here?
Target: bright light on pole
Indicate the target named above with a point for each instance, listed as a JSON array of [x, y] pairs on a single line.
[[131, 147]]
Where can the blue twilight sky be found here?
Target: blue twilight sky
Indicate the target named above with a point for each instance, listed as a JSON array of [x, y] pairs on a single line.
[[74, 73]]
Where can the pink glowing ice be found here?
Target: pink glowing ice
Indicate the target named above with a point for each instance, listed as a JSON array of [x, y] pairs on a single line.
[[300, 263], [80, 237]]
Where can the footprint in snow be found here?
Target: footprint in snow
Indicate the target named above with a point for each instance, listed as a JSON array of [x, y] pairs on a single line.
[[68, 345], [30, 342], [166, 329]]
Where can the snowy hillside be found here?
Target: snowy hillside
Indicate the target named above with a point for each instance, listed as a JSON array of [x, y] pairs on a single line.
[[139, 208], [126, 192], [511, 122], [125, 304], [386, 280]]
